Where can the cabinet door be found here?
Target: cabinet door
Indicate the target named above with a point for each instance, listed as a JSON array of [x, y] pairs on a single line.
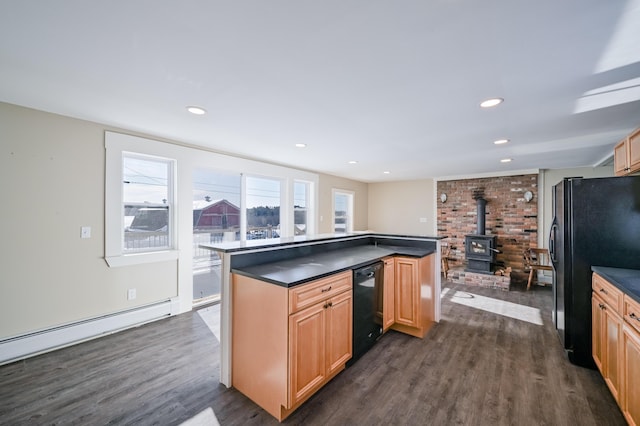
[[634, 151], [389, 294], [407, 292], [596, 331], [612, 328], [620, 163], [630, 401], [307, 351], [339, 331]]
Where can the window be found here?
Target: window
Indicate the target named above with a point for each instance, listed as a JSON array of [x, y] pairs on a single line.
[[342, 211], [263, 208], [147, 203], [301, 208], [140, 208], [216, 218]]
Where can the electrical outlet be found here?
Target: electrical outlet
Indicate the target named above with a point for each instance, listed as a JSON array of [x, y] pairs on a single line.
[[131, 294], [85, 232], [423, 220]]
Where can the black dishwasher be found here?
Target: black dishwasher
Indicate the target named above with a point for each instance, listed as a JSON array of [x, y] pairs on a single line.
[[367, 308]]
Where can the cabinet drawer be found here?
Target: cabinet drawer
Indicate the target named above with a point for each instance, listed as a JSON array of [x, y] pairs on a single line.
[[307, 294], [610, 294], [632, 312]]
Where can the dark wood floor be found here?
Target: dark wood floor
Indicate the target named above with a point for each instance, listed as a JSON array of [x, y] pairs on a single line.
[[473, 368]]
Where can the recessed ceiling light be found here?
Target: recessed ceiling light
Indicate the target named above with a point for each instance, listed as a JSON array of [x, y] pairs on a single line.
[[353, 162], [491, 102], [301, 145], [386, 172], [501, 141], [506, 160], [196, 110]]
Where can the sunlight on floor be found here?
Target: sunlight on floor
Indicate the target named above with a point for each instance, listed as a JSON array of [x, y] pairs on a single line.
[[500, 307], [444, 291], [211, 317], [203, 418]]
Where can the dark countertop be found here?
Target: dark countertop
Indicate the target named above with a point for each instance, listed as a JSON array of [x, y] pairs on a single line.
[[627, 280], [238, 246], [289, 273]]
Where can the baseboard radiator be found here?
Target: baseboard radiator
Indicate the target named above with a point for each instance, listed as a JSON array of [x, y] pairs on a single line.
[[28, 345]]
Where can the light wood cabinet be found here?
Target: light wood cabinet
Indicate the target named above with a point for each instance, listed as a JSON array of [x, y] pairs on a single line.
[[626, 155], [287, 343], [616, 344], [607, 344], [596, 332], [388, 310], [631, 361], [407, 292], [631, 366], [607, 332], [414, 303]]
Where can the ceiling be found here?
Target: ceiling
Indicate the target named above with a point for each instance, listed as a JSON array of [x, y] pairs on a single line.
[[393, 85]]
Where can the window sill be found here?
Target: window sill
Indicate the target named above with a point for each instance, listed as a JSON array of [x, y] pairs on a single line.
[[140, 258]]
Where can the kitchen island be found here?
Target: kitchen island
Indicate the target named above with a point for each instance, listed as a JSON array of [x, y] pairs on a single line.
[[289, 263]]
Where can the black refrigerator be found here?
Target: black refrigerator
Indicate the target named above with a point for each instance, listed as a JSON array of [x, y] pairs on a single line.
[[596, 222]]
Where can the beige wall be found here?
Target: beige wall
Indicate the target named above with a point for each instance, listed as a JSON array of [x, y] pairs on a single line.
[[52, 177], [548, 178], [397, 207], [52, 172], [325, 202]]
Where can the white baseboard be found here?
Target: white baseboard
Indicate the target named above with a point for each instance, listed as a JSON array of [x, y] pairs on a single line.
[[28, 345]]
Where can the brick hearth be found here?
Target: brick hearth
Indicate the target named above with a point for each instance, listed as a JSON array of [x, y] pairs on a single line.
[[460, 276]]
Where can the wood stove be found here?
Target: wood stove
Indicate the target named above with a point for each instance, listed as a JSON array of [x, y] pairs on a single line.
[[480, 250]]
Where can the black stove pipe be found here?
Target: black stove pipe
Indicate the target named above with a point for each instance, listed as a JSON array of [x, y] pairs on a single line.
[[481, 204]]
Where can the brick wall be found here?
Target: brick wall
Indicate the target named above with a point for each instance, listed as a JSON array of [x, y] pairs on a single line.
[[508, 216]]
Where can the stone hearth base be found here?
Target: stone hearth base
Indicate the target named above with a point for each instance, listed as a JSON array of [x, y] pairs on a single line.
[[460, 276]]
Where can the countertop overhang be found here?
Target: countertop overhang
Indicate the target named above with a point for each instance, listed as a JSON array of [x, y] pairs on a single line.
[[292, 272], [627, 280], [240, 246]]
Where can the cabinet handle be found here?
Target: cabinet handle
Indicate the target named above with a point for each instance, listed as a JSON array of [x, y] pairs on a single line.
[[324, 290], [601, 306], [328, 305], [634, 316], [602, 290]]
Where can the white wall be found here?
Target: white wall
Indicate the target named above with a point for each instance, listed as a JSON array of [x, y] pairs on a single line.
[[398, 207]]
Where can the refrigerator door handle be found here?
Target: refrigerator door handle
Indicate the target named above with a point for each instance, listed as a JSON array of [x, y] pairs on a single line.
[[552, 242]]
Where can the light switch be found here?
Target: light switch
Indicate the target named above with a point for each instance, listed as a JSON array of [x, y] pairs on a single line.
[[131, 294], [85, 232]]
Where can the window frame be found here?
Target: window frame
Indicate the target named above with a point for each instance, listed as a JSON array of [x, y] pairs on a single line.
[[283, 218], [117, 146], [170, 202], [350, 209], [310, 206]]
